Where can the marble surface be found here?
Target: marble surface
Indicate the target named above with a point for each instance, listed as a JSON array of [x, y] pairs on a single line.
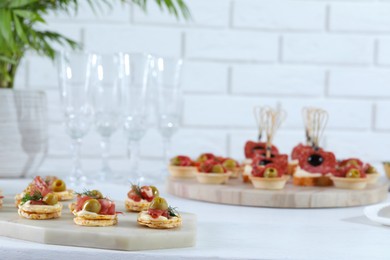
[[126, 235], [238, 232], [238, 193]]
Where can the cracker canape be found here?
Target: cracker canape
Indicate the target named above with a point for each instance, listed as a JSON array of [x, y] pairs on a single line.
[[38, 207], [372, 174], [212, 172], [315, 165], [93, 210], [139, 198], [350, 177], [50, 184], [182, 167], [159, 215]]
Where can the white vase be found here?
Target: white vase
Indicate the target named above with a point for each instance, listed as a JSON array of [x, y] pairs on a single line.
[[23, 132]]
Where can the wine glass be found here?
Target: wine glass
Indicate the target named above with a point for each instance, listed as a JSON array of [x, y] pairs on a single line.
[[107, 79], [135, 106], [169, 105], [75, 93]]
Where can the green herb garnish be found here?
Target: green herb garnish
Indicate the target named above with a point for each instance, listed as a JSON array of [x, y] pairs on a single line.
[[136, 189], [36, 197], [173, 212], [95, 194]]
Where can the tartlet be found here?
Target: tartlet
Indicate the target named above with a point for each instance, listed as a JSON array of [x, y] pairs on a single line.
[[139, 198], [269, 177], [350, 177], [159, 215], [212, 172], [93, 210], [371, 173], [182, 167], [232, 167], [37, 206]]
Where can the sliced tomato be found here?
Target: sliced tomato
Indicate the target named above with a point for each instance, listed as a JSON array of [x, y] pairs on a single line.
[[147, 193]]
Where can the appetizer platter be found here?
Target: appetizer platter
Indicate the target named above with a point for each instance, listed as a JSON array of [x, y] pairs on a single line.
[[94, 220], [311, 177]]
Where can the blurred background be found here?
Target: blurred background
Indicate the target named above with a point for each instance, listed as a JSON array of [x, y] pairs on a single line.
[[240, 54]]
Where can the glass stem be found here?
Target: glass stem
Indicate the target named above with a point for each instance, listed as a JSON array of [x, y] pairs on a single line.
[[133, 152], [105, 147], [77, 173], [167, 150]]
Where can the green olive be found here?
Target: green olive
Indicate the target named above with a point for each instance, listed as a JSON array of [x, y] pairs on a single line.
[[352, 163], [270, 173], [202, 158], [58, 186], [217, 169], [155, 191], [175, 161], [371, 169], [353, 173], [229, 164], [159, 203], [50, 199], [96, 194], [92, 205]]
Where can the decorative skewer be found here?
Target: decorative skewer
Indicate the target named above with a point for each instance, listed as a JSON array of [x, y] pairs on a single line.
[[307, 119], [259, 117], [273, 120], [319, 121]]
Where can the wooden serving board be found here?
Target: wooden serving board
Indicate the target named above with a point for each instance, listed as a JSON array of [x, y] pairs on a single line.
[[238, 193], [126, 235]]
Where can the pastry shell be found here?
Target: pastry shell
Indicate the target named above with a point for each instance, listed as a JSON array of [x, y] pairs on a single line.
[[269, 183], [350, 183], [213, 178], [82, 221], [182, 172], [372, 177], [322, 181]]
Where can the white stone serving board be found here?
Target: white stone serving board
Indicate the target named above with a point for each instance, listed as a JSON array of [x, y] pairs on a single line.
[[236, 192], [126, 235]]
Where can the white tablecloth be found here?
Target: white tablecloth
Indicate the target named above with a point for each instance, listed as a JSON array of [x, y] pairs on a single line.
[[235, 232]]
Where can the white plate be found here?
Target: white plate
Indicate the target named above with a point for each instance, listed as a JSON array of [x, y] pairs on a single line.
[[379, 213]]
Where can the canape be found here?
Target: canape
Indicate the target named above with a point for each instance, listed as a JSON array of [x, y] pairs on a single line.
[[58, 186], [211, 172], [371, 173], [315, 165], [350, 177], [269, 177], [139, 198], [232, 167], [37, 206], [159, 215], [93, 210], [50, 184], [182, 167]]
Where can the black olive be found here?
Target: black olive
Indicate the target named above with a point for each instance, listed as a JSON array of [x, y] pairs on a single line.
[[315, 160], [272, 155], [264, 162]]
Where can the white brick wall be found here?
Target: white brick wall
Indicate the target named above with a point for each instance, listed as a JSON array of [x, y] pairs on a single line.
[[334, 54]]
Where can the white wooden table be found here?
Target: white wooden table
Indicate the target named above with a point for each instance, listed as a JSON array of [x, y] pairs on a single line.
[[235, 232]]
